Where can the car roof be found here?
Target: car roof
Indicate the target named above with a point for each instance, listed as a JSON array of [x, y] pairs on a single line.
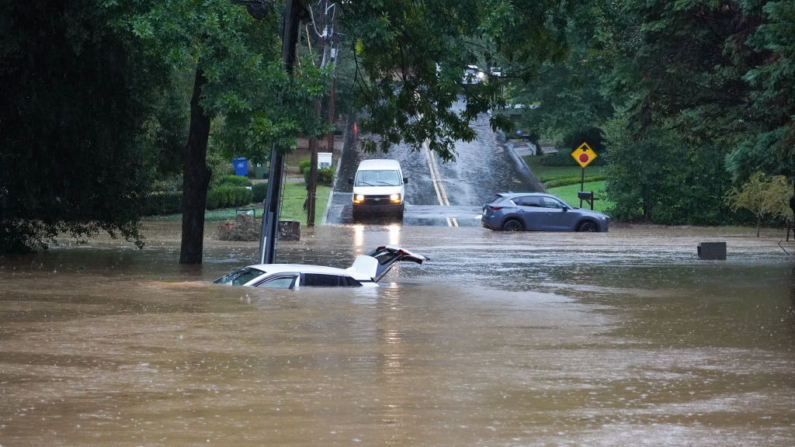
[[370, 165], [307, 268], [514, 194]]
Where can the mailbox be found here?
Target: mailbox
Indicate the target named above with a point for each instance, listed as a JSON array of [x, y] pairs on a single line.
[[585, 195]]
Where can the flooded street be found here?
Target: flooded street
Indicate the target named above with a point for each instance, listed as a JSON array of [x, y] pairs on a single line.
[[502, 339]]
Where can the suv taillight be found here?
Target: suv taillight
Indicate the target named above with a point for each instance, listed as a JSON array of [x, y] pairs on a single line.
[[495, 208]]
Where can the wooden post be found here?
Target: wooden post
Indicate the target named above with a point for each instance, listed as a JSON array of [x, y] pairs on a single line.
[[582, 184]]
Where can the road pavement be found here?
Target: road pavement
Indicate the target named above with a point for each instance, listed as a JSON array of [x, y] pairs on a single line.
[[441, 194]]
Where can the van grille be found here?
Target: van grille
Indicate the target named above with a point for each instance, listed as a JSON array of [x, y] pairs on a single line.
[[376, 200]]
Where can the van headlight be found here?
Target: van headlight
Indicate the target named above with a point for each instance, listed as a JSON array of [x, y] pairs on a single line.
[[394, 198], [358, 198]]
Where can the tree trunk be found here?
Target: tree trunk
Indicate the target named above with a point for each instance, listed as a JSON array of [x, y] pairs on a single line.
[[792, 205], [196, 178], [758, 224]]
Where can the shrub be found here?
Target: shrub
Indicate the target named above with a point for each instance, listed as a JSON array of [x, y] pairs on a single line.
[[303, 166], [259, 191], [566, 181], [233, 180], [159, 203], [213, 199], [324, 177]]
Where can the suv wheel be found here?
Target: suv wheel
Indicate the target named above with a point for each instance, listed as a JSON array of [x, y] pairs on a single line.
[[512, 225], [587, 226]]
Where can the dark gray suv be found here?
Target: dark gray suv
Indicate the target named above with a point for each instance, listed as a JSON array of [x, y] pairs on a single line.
[[527, 211]]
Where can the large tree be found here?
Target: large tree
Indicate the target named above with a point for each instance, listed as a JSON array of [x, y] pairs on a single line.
[[411, 58], [234, 55], [76, 94]]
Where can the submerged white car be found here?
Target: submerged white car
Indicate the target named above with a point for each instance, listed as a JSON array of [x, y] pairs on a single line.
[[366, 271]]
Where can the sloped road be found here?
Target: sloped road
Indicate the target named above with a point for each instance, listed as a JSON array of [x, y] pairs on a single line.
[[441, 194]]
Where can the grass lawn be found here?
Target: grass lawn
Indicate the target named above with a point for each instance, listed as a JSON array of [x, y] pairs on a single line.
[[544, 173], [293, 196], [569, 195]]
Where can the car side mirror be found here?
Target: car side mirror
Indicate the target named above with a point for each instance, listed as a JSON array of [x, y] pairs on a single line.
[[565, 208], [405, 180], [350, 180]]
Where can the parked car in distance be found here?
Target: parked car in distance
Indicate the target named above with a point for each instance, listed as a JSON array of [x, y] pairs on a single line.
[[366, 271], [378, 188], [525, 211]]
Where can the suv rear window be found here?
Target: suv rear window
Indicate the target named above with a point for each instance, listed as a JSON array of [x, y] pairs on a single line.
[[495, 198]]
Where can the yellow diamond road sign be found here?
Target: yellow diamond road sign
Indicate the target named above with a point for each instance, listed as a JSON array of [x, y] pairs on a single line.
[[584, 155]]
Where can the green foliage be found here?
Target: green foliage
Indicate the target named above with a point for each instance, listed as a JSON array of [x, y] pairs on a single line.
[[413, 57], [304, 165], [260, 191], [592, 136], [762, 196], [76, 99], [162, 203], [324, 177], [645, 178], [227, 197], [565, 181], [233, 180]]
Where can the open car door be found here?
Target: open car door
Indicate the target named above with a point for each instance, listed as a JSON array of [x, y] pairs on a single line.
[[378, 262]]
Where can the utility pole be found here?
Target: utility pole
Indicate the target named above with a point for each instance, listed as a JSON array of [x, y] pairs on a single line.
[[311, 187], [270, 218], [332, 95]]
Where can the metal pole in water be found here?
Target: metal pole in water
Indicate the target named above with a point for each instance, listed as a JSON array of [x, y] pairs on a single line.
[[270, 218]]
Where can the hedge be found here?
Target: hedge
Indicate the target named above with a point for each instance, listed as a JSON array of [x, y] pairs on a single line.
[[259, 190], [324, 177], [566, 181], [160, 203], [233, 180], [227, 197]]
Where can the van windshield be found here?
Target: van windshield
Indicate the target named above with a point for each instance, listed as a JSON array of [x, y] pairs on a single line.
[[378, 178]]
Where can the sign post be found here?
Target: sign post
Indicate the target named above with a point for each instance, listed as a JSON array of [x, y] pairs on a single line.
[[584, 155]]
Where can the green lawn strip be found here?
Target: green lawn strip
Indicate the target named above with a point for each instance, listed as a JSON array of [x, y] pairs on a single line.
[[293, 197], [544, 173], [569, 195], [292, 207]]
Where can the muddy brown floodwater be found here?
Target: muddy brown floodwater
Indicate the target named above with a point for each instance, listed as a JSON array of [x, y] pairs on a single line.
[[623, 338]]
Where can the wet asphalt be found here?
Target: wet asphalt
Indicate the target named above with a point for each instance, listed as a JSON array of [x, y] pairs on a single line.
[[438, 193]]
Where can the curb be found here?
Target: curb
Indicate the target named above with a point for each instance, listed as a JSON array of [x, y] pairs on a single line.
[[336, 172]]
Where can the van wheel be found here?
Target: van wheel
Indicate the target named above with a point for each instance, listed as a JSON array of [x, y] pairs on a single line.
[[587, 226], [357, 216], [512, 225]]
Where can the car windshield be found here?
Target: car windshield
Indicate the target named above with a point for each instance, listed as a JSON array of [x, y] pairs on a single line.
[[239, 277], [378, 178]]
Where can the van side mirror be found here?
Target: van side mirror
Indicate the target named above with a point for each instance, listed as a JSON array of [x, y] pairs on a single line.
[[350, 180], [405, 180]]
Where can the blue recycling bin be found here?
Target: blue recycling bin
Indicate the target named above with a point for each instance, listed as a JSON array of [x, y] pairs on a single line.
[[241, 166]]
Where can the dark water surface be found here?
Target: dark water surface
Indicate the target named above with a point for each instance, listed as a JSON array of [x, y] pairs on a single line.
[[622, 338]]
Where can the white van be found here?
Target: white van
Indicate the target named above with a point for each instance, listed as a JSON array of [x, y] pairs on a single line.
[[378, 188]]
